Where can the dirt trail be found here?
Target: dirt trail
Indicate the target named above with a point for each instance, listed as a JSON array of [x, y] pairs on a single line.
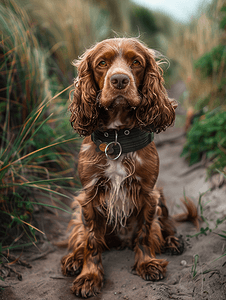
[[44, 280]]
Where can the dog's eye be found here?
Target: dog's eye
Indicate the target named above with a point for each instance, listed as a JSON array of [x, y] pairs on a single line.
[[102, 63], [136, 62]]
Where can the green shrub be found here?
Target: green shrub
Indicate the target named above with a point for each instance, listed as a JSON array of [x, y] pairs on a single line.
[[211, 62], [207, 136]]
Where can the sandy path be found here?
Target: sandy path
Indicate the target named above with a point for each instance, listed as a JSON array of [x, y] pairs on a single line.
[[44, 280]]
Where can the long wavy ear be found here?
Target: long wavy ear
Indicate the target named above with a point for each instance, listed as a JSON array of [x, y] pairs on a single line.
[[83, 107], [156, 111]]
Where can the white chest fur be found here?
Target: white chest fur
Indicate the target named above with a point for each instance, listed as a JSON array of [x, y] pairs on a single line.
[[118, 203]]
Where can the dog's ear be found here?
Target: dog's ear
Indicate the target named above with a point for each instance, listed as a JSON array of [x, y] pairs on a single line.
[[83, 107], [156, 111]]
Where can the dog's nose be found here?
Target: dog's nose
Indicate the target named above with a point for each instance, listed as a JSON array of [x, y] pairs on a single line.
[[119, 81]]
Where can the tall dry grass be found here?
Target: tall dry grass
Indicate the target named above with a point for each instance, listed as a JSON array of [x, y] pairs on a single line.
[[22, 68], [66, 28], [35, 163], [193, 41]]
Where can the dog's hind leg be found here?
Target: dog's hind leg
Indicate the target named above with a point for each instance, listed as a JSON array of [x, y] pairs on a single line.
[[172, 244]]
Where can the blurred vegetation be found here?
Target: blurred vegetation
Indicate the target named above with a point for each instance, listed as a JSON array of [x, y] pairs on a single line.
[[35, 157], [22, 69], [68, 27], [200, 50], [39, 40], [207, 137]]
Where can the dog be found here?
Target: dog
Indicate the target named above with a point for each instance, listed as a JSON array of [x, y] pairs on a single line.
[[119, 102]]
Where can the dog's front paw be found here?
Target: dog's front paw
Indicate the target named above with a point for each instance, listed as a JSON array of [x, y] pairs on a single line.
[[153, 269], [174, 245], [70, 266], [87, 285]]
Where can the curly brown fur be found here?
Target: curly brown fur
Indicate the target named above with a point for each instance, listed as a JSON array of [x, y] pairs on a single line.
[[119, 86], [146, 92]]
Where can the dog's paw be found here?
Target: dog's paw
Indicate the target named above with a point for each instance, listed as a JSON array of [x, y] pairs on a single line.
[[70, 266], [87, 285], [174, 245], [153, 269]]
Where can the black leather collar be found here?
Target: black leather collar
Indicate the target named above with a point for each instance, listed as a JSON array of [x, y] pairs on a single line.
[[114, 142]]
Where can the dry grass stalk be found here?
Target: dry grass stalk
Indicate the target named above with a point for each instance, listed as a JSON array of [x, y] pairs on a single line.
[[189, 45]]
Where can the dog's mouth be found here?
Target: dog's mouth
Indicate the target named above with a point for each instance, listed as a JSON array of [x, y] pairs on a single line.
[[120, 102]]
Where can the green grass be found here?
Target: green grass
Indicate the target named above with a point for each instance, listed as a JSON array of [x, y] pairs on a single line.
[[23, 73], [37, 146], [22, 176], [194, 266], [205, 230]]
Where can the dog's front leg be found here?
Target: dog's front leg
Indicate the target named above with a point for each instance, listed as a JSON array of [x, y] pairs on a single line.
[[89, 282], [148, 241], [86, 243]]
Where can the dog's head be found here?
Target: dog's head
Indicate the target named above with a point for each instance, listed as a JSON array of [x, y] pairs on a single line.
[[116, 76]]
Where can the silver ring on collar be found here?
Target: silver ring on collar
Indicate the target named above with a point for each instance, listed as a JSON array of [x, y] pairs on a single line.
[[120, 150], [115, 143]]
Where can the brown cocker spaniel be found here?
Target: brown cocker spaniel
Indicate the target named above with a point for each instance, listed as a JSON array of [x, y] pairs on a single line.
[[118, 103]]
